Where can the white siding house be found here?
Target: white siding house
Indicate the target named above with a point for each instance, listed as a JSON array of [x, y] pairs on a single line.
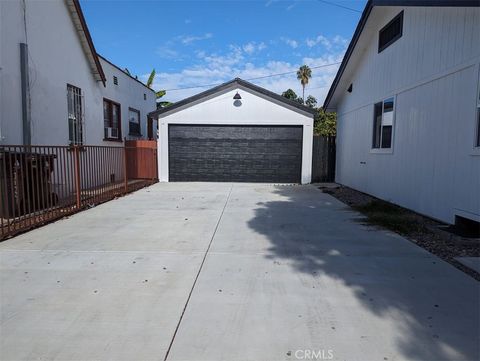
[[61, 71], [407, 99]]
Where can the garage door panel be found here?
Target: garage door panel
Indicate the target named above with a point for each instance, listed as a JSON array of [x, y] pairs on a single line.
[[235, 153]]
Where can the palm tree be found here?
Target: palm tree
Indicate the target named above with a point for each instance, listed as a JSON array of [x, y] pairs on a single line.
[[303, 74]]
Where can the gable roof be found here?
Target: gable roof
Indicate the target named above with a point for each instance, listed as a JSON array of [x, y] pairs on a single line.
[[363, 20], [86, 39], [237, 82], [124, 72]]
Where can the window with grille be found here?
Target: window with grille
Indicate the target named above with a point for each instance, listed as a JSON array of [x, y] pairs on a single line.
[[383, 124], [111, 120], [134, 122], [390, 33], [75, 114]]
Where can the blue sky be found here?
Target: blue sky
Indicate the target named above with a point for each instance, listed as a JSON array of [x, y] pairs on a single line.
[[192, 43]]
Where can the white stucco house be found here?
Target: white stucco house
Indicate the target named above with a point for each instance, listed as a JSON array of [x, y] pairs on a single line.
[[408, 103], [237, 132], [54, 87]]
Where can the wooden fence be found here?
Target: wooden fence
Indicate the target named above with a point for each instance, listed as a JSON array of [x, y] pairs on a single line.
[[323, 159], [39, 184]]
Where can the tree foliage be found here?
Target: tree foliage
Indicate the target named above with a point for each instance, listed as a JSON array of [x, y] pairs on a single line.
[[325, 123], [158, 94], [290, 94], [311, 102]]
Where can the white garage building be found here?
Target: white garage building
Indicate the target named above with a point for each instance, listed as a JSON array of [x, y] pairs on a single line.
[[235, 132]]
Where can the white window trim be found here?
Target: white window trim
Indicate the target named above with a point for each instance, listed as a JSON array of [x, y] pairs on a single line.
[[386, 150]]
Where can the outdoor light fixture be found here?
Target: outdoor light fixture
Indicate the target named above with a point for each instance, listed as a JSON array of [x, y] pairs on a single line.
[[237, 96]]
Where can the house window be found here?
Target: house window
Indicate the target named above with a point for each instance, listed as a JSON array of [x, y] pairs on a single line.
[[115, 80], [75, 114], [390, 33], [134, 122], [111, 120], [383, 124]]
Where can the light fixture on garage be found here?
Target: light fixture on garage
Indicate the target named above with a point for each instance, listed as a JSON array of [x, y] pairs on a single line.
[[237, 96]]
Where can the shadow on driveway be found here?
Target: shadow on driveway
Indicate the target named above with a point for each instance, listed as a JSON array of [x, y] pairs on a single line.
[[434, 307]]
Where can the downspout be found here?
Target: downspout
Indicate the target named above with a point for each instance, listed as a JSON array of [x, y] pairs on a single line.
[[25, 85]]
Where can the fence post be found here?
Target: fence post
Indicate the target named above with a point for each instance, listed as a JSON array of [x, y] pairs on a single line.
[[76, 154], [125, 169]]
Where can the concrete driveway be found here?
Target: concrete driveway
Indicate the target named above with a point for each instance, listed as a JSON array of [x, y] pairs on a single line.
[[203, 271]]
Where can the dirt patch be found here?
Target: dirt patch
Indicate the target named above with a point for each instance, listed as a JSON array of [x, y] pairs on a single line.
[[433, 236]]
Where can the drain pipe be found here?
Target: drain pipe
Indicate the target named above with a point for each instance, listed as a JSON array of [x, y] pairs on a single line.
[[26, 113]]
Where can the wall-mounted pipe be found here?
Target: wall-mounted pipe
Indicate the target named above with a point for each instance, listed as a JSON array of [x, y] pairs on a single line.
[[25, 85]]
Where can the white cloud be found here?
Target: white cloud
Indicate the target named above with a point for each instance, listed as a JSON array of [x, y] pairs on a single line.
[[329, 43], [253, 47], [290, 42], [213, 69], [189, 39], [167, 52]]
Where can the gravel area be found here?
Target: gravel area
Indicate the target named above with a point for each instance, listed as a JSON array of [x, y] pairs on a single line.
[[437, 238]]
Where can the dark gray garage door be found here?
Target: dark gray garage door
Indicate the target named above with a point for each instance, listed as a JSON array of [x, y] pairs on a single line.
[[233, 153]]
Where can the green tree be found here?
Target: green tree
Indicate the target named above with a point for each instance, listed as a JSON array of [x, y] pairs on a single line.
[[304, 74], [325, 123], [311, 102], [158, 94], [290, 94]]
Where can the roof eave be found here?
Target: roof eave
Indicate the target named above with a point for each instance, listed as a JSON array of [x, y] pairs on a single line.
[[86, 39], [363, 20], [230, 84]]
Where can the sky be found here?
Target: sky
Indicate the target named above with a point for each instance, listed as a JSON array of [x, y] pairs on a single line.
[[205, 43]]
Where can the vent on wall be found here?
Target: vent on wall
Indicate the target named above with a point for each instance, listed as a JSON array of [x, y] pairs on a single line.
[[390, 33], [115, 80]]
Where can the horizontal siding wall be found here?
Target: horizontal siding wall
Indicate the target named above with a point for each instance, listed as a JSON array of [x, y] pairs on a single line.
[[435, 40], [432, 71], [432, 169]]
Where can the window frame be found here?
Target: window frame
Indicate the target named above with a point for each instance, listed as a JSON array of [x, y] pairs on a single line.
[[386, 45], [380, 149], [139, 134], [112, 102], [476, 141], [81, 106]]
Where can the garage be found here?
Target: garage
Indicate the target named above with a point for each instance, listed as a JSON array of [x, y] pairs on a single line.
[[235, 153], [236, 132]]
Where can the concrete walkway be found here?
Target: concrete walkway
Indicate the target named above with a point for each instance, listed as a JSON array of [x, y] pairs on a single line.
[[229, 272]]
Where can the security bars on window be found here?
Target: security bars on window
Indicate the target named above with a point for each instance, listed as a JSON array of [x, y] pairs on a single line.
[[75, 115]]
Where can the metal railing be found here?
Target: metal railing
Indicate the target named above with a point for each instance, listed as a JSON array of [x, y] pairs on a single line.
[[39, 184]]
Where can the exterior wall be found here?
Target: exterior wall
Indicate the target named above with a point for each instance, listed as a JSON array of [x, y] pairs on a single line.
[[432, 71], [56, 58], [130, 94], [220, 110]]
